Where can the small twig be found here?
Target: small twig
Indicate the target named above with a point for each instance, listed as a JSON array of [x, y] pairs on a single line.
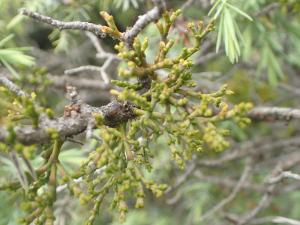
[[263, 203], [284, 164], [98, 172], [222, 181], [182, 178], [94, 41], [74, 25], [275, 219], [74, 141], [12, 87], [104, 67], [250, 148], [101, 53], [101, 70], [143, 20], [128, 37], [21, 175], [82, 69], [282, 176], [237, 188], [52, 159], [80, 83], [29, 166], [280, 219], [274, 113]]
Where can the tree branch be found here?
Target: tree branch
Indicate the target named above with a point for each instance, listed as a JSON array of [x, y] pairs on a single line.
[[128, 36], [143, 20], [274, 113], [74, 25], [11, 86], [283, 175], [113, 113]]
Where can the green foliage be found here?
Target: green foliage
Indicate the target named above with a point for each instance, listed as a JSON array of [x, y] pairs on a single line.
[[10, 57], [228, 30], [125, 152]]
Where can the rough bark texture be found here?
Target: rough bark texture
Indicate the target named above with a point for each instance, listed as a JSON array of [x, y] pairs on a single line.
[[113, 113]]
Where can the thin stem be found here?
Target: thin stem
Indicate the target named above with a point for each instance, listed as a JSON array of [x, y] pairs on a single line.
[[53, 157]]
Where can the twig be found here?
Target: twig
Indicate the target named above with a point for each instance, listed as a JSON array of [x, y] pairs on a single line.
[[113, 113], [75, 141], [280, 219], [143, 20], [75, 25], [29, 166], [95, 41], [264, 202], [191, 167], [283, 175], [284, 164], [102, 54], [100, 51], [222, 181], [82, 83], [98, 172], [250, 148], [274, 113], [82, 69], [101, 70], [237, 188], [275, 219], [22, 178], [128, 36], [12, 87]]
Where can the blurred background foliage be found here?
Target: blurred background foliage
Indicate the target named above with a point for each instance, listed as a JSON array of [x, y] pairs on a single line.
[[255, 49]]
